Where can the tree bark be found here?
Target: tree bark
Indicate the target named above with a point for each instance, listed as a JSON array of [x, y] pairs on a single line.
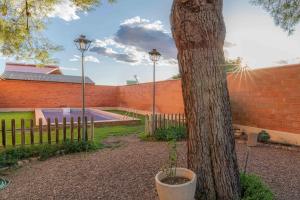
[[199, 32]]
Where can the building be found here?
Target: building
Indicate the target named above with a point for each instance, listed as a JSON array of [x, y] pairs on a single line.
[[30, 72]]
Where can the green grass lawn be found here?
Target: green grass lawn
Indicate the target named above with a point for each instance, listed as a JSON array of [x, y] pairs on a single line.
[[100, 133], [8, 116]]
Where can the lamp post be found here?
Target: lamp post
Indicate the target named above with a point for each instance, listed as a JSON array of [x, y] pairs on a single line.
[[154, 57], [83, 45]]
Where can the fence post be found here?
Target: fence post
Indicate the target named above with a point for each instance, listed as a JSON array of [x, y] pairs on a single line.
[[72, 129], [56, 131], [3, 133], [79, 129], [92, 129], [13, 132], [49, 130], [31, 132], [22, 132], [64, 129]]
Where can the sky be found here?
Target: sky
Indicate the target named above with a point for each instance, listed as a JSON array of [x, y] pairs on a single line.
[[124, 32]]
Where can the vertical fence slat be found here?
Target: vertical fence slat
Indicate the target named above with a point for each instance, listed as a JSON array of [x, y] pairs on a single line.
[[164, 120], [22, 132], [86, 136], [173, 120], [79, 128], [160, 121], [92, 129], [31, 132], [64, 129], [179, 120], [72, 129], [49, 130], [155, 122], [56, 131], [150, 124], [147, 124], [168, 120], [41, 130], [3, 133], [13, 132]]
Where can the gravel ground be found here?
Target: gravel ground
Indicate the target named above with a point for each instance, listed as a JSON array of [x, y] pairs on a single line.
[[127, 172]]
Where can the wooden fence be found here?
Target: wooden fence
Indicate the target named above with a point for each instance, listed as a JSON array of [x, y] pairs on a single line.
[[163, 121], [27, 133]]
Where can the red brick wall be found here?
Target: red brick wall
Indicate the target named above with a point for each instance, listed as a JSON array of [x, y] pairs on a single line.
[[34, 94], [168, 96], [267, 98]]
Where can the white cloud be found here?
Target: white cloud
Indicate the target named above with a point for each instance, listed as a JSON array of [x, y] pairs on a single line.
[[91, 59], [65, 10], [287, 61], [77, 58], [69, 68], [135, 38]]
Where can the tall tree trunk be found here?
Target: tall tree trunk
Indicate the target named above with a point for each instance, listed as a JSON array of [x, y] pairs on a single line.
[[199, 32]]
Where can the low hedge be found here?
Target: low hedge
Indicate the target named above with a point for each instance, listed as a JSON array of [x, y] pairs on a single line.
[[253, 188], [10, 157]]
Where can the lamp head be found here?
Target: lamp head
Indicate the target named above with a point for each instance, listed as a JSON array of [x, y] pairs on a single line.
[[82, 43], [154, 55]]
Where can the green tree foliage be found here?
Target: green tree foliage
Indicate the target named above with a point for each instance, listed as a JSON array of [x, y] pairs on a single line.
[[22, 23], [231, 65], [286, 13]]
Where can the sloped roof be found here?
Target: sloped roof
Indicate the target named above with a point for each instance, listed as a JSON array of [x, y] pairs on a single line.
[[18, 67], [27, 76]]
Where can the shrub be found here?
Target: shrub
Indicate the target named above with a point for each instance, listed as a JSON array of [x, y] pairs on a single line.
[[46, 151], [253, 188], [263, 136], [167, 134], [10, 157], [74, 147]]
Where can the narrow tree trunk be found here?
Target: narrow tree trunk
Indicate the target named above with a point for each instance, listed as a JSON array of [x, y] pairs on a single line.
[[199, 32]]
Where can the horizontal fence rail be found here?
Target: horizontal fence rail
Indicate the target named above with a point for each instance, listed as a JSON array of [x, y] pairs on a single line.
[[25, 132], [163, 121]]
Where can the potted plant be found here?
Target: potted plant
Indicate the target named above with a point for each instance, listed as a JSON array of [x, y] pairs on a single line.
[[173, 183]]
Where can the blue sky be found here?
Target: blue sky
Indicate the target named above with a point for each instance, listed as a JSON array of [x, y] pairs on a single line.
[[122, 39]]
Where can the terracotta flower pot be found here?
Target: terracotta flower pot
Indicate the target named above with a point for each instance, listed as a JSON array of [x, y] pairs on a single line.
[[185, 191]]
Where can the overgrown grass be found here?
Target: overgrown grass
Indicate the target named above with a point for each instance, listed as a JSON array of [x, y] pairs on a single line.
[[253, 188]]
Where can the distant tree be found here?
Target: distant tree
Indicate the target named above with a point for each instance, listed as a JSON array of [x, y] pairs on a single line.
[[22, 23], [231, 65], [177, 76], [286, 13]]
